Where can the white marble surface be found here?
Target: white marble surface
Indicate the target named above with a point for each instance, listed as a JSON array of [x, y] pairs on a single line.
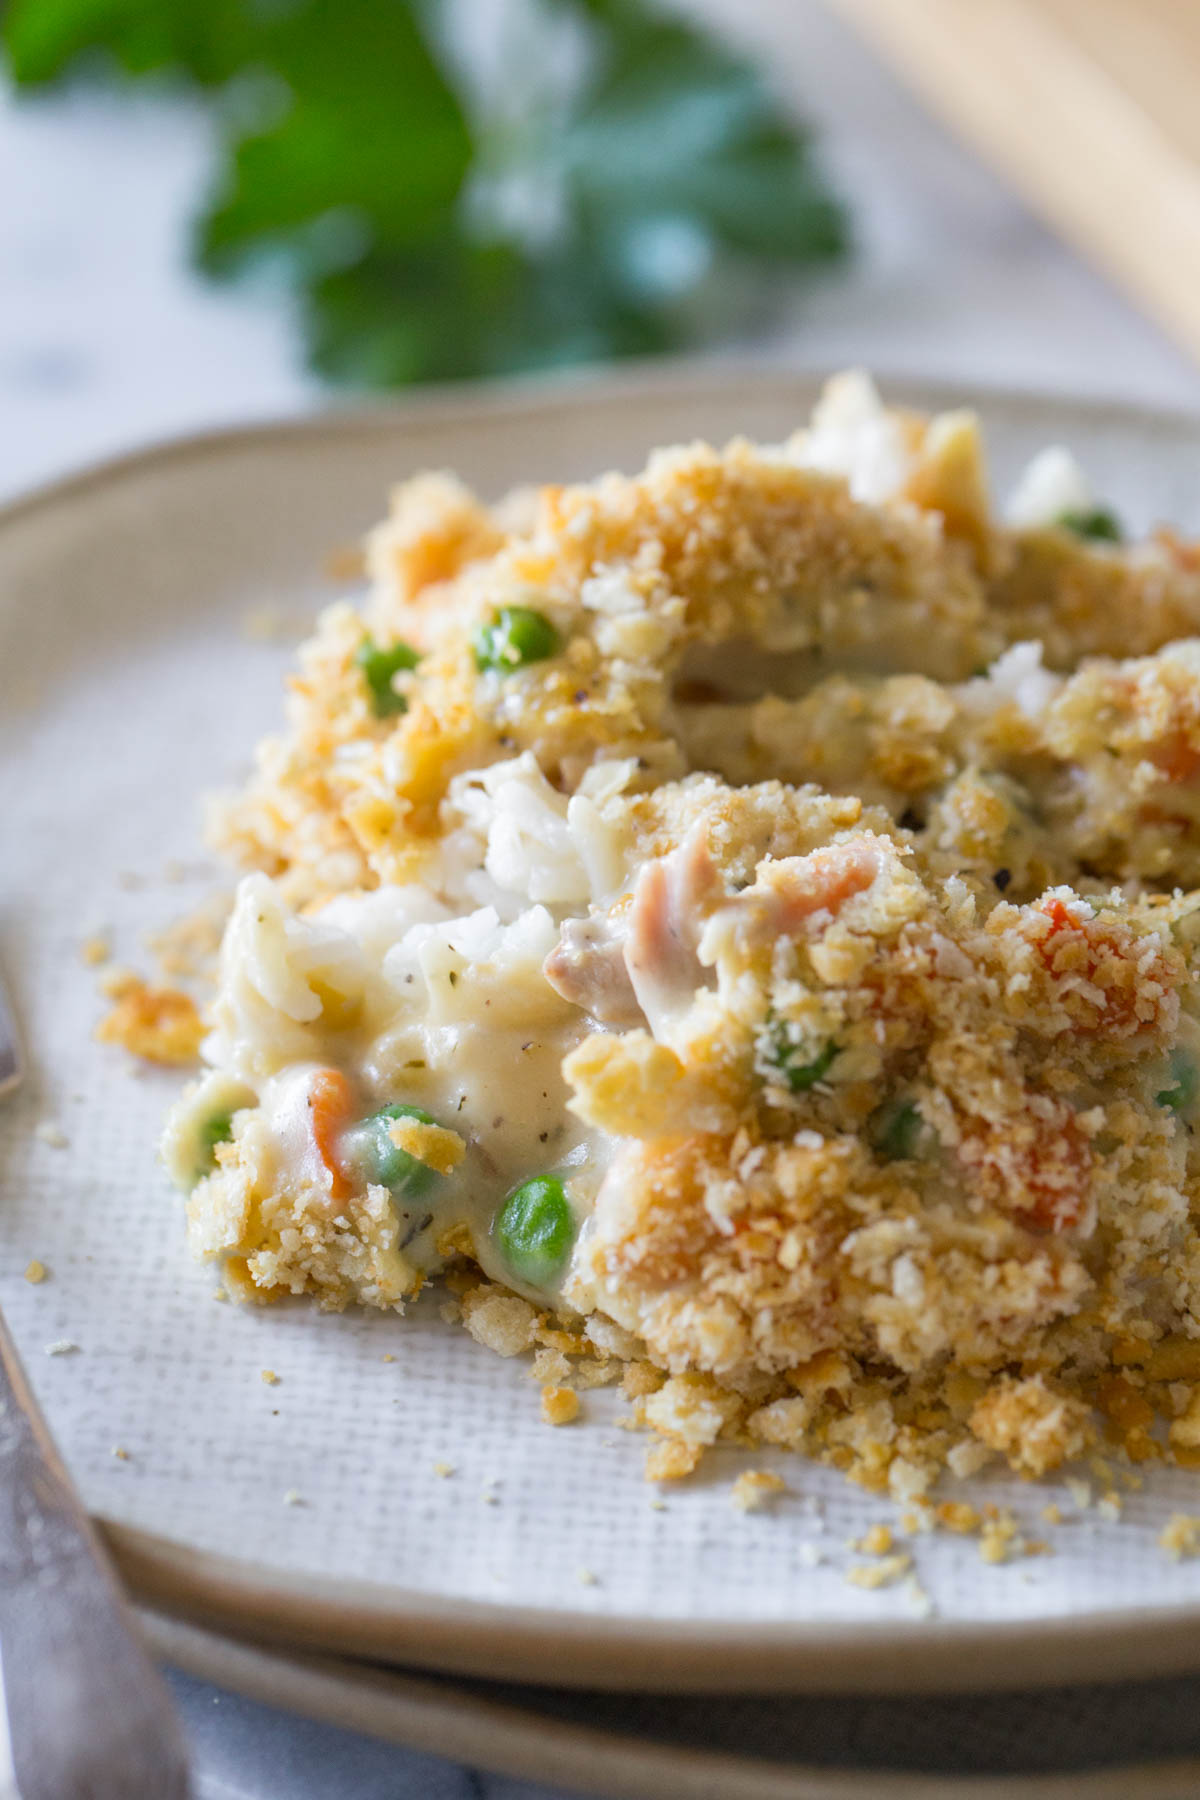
[[108, 342]]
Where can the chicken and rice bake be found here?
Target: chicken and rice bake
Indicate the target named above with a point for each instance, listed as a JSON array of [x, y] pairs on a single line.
[[747, 914]]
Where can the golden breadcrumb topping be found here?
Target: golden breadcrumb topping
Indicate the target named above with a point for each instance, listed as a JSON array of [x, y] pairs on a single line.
[[821, 869]]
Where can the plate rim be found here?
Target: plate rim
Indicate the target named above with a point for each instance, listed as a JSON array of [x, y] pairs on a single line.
[[449, 403], [627, 1650], [508, 1738], [615, 1651]]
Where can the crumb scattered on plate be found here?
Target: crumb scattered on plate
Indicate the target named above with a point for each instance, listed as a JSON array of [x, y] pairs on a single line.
[[754, 1489]]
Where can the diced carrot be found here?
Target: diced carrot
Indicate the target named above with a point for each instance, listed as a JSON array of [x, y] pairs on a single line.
[[1178, 758], [330, 1108]]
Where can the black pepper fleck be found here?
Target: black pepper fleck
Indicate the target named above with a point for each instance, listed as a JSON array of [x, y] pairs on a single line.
[[1002, 877]]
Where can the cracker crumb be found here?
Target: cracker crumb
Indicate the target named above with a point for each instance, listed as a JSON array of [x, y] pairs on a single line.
[[50, 1132], [499, 1321], [1035, 1425], [640, 1379], [755, 1488], [270, 1377], [1053, 1514], [117, 980], [95, 950], [550, 1368], [1110, 1506], [692, 1408], [879, 1574], [159, 1024], [62, 1347], [36, 1272], [966, 1459], [293, 1497], [1080, 1492], [958, 1516], [121, 1454], [672, 1460], [387, 1357], [560, 1405], [1180, 1536], [596, 1371], [875, 1542], [811, 1555], [588, 1578], [1000, 1539], [444, 1469]]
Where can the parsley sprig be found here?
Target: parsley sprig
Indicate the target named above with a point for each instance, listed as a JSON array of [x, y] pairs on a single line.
[[621, 184]]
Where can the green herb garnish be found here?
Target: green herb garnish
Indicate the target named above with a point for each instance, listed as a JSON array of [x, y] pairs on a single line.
[[598, 180], [894, 1130], [800, 1076], [1184, 1088], [1098, 522]]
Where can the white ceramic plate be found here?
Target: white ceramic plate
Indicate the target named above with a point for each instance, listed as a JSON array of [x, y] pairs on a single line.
[[129, 686]]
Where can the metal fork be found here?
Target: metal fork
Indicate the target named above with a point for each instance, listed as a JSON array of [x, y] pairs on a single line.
[[89, 1716]]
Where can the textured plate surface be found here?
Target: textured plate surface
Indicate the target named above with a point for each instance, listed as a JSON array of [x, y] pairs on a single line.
[[129, 684]]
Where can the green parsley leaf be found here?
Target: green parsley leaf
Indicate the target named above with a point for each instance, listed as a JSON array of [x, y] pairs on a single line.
[[428, 225], [1183, 1089], [894, 1130], [801, 1076], [1097, 522]]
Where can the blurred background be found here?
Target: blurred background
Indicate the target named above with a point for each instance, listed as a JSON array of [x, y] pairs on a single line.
[[222, 209]]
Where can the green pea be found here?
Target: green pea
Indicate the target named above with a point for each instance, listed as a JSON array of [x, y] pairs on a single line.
[[215, 1130], [368, 1148], [894, 1130], [1184, 1088], [1098, 522], [378, 666], [800, 1076], [535, 1230], [516, 636]]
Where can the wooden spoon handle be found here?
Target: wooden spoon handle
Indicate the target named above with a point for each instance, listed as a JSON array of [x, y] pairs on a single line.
[[89, 1716]]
